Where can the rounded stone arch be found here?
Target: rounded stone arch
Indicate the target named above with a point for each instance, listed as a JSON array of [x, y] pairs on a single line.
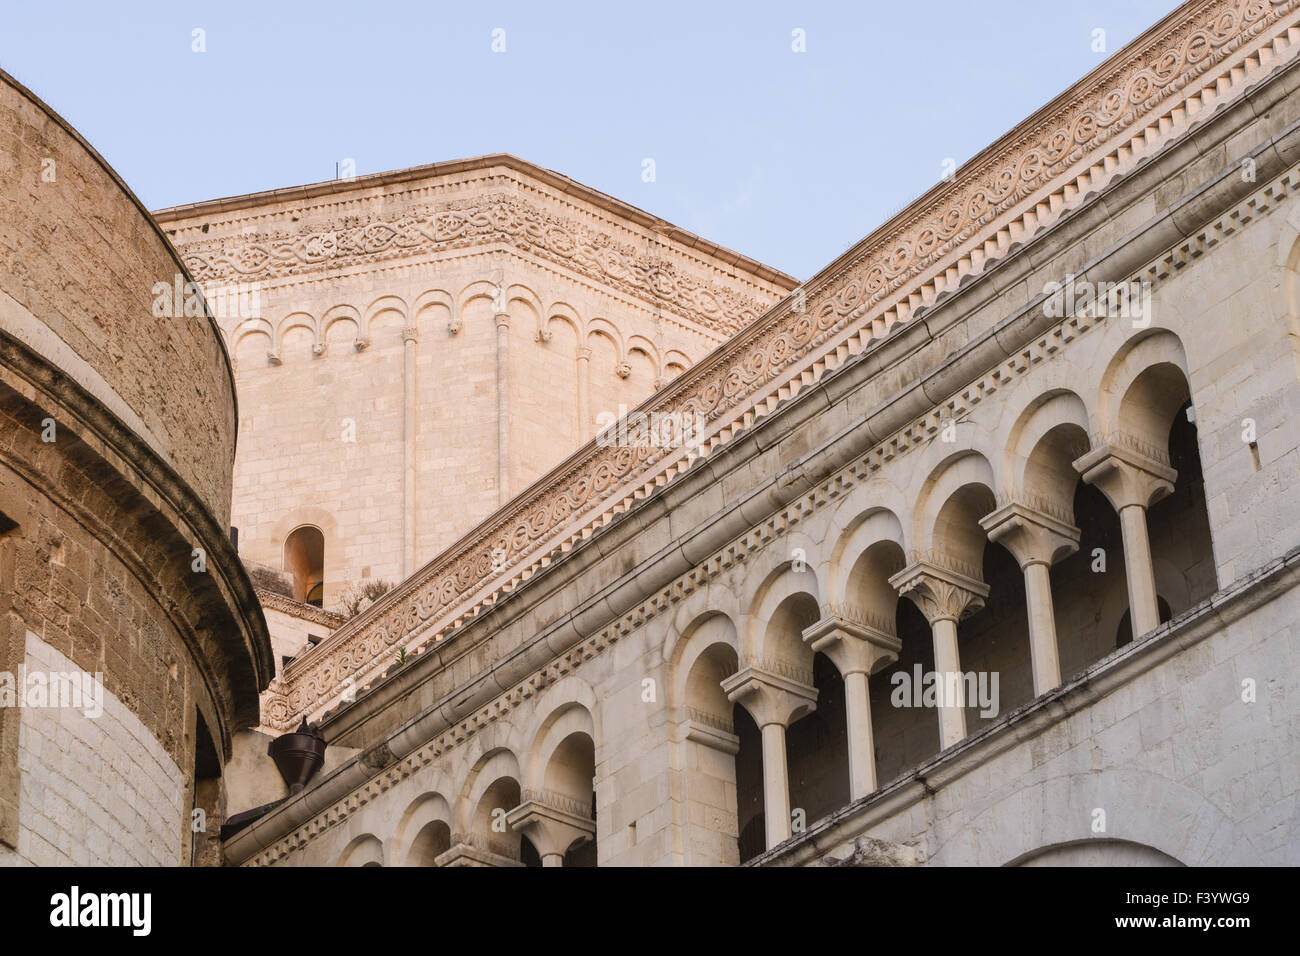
[[254, 348], [295, 320], [564, 314], [427, 304], [1101, 851], [953, 498], [518, 292], [676, 362], [702, 637], [601, 327], [561, 697], [473, 816], [784, 603], [365, 850], [379, 311], [1142, 389], [1188, 827], [341, 313], [856, 531], [639, 343], [549, 762], [718, 596], [424, 830], [1050, 432], [482, 289]]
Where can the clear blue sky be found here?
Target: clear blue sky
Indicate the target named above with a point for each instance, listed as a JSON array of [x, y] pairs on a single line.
[[787, 157]]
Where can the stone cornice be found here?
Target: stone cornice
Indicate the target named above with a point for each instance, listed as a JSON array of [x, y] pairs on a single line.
[[709, 286], [1202, 56], [336, 189], [226, 638], [353, 785], [306, 612]]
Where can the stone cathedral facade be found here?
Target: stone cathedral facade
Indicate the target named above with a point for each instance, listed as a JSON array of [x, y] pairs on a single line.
[[980, 546]]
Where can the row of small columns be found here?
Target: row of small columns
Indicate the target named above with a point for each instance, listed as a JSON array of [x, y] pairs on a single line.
[[1131, 481]]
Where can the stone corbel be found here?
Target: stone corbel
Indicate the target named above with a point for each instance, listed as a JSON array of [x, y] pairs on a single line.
[[622, 369], [361, 343], [273, 357], [708, 731], [454, 326]]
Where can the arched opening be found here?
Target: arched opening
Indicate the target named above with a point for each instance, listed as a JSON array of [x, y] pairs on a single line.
[[1087, 582], [570, 776], [205, 846], [994, 642], [1124, 633], [712, 745], [365, 850], [304, 558], [1179, 524], [749, 786], [818, 748], [904, 732], [433, 840], [489, 828], [817, 754]]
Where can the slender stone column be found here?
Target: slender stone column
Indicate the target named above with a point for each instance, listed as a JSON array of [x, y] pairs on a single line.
[[584, 393], [410, 336], [503, 407], [775, 702], [1132, 482], [944, 597], [857, 650], [1037, 541]]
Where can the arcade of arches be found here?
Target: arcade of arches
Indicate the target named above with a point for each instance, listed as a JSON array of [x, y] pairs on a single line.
[[1026, 566]]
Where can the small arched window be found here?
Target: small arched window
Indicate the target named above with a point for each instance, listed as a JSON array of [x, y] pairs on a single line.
[[304, 558]]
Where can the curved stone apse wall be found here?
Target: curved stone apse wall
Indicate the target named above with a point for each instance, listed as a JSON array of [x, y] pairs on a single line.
[[118, 581]]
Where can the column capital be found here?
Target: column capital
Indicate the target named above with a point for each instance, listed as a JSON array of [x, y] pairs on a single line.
[[584, 353], [852, 644], [770, 698], [502, 320], [1125, 474], [940, 593], [467, 854], [1032, 536], [553, 822], [410, 334]]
